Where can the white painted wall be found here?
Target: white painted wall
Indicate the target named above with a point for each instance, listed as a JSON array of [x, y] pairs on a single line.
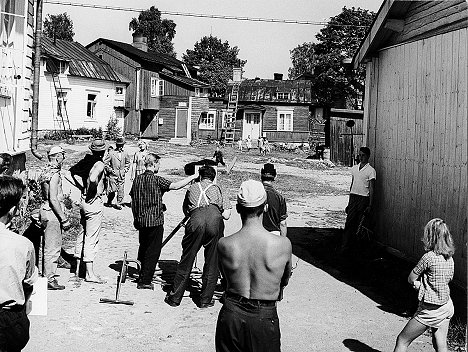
[[77, 89]]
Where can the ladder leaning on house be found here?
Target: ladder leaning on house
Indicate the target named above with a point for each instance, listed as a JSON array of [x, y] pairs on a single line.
[[63, 108], [231, 114]]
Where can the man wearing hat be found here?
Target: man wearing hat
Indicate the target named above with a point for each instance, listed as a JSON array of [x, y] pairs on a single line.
[[274, 219], [52, 215], [118, 163], [92, 173], [256, 265]]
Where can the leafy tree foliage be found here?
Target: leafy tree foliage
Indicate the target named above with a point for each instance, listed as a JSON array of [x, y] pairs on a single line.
[[159, 32], [59, 26], [216, 61], [338, 40]]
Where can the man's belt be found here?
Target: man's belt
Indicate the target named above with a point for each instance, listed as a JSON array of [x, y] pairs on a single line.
[[257, 302]]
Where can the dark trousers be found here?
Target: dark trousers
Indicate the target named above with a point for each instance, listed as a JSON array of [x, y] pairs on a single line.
[[14, 329], [149, 251], [245, 326], [204, 228], [354, 212]]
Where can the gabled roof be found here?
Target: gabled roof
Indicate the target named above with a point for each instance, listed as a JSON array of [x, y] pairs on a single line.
[[145, 58], [185, 80], [264, 90], [82, 62], [396, 23]]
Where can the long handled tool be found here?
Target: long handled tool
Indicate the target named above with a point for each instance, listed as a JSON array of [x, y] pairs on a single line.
[[120, 280], [179, 225]]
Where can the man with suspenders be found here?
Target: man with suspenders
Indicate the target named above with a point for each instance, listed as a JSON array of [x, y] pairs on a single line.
[[207, 206]]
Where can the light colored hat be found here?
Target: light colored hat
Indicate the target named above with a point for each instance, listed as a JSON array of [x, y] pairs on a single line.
[[56, 149], [98, 145], [251, 194]]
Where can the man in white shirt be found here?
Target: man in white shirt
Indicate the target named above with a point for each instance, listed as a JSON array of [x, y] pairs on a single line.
[[361, 196], [17, 270]]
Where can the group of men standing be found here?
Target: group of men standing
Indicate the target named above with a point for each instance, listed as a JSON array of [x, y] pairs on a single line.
[[255, 261]]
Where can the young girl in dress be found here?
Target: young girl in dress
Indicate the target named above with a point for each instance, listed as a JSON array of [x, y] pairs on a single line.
[[430, 278]]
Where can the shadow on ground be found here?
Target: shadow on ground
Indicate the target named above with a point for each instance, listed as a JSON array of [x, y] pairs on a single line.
[[366, 266], [358, 346]]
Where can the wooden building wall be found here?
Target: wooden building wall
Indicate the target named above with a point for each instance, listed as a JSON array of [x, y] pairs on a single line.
[[300, 133], [344, 147], [417, 110], [167, 112]]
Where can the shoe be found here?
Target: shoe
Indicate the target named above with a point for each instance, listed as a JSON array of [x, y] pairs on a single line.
[[118, 207], [54, 285], [207, 305], [145, 286], [169, 301], [108, 205], [62, 263]]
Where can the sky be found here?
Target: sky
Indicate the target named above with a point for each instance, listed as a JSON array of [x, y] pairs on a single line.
[[265, 46]]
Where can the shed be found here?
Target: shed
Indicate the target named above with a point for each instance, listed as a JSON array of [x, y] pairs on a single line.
[[415, 121]]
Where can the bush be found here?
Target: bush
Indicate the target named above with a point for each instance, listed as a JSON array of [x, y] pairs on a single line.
[[113, 130], [95, 132]]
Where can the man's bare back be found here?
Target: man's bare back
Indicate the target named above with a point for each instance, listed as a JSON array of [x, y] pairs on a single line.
[[255, 262]]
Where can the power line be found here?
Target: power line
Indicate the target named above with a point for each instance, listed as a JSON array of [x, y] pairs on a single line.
[[188, 14]]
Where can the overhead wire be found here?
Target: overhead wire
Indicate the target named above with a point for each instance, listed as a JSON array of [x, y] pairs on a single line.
[[200, 15]]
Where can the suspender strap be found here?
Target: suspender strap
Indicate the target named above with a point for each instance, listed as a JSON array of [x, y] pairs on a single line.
[[203, 194]]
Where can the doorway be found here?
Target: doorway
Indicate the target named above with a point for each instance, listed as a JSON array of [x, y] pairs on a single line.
[[251, 125], [181, 123]]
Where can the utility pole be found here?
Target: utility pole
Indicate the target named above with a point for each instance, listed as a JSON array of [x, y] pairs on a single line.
[[37, 73]]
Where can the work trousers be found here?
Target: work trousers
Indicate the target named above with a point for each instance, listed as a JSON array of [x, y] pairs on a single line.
[[204, 228], [117, 185], [14, 329], [52, 241], [150, 239], [87, 242], [246, 326], [354, 212]]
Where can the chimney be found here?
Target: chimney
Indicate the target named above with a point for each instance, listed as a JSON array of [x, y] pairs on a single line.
[[278, 76], [139, 41], [237, 74]]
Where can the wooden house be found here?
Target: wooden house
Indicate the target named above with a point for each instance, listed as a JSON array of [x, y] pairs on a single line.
[[415, 121], [284, 111], [77, 88], [164, 99], [16, 69]]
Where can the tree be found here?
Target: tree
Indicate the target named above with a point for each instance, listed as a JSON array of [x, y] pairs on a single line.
[[159, 32], [216, 61], [59, 27], [338, 40]]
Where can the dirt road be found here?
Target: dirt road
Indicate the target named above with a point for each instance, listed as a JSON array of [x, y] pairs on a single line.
[[320, 311]]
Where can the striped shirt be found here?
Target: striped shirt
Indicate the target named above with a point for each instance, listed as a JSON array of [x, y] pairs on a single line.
[[147, 206], [436, 273], [194, 197]]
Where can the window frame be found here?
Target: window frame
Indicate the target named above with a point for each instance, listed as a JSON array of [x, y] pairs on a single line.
[[281, 127], [208, 125], [91, 110], [284, 95]]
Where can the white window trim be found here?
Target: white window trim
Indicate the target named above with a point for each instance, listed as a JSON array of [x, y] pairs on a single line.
[[280, 111], [159, 85], [204, 126], [123, 90], [154, 87], [93, 117]]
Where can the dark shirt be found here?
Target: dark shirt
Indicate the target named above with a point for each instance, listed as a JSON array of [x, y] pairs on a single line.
[[147, 206], [277, 211], [218, 155], [214, 195]]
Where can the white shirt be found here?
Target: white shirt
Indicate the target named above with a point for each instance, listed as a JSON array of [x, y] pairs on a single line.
[[361, 179], [17, 266]]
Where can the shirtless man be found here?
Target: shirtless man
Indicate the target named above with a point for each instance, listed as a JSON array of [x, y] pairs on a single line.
[[256, 265], [87, 241]]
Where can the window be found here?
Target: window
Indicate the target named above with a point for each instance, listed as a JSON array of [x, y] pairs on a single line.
[[207, 120], [157, 87], [119, 90], [61, 103], [197, 92], [285, 121], [63, 65], [91, 106], [282, 96]]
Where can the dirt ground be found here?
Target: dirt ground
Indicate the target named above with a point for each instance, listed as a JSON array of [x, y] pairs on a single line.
[[323, 308]]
